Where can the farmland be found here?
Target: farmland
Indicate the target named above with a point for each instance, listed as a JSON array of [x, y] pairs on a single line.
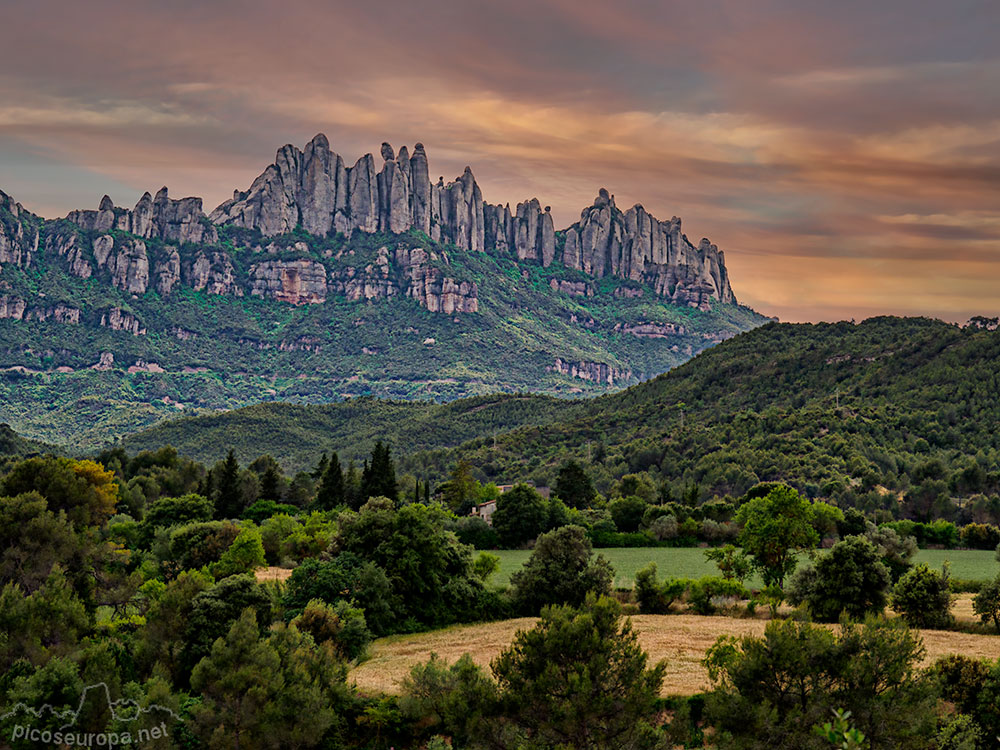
[[680, 639], [690, 562]]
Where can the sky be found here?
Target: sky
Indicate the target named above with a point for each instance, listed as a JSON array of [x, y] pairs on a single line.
[[846, 155]]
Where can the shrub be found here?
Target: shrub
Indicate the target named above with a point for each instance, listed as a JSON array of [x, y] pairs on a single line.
[[986, 603], [475, 532], [752, 705], [704, 595], [923, 599], [627, 513], [244, 555], [979, 536], [340, 624], [849, 579], [731, 562], [261, 510], [561, 570], [655, 597], [664, 527]]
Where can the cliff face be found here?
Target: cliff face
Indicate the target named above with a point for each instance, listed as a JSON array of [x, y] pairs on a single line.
[[314, 189]]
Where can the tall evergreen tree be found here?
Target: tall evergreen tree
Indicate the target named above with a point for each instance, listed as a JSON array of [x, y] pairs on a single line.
[[379, 476], [573, 486], [270, 484], [230, 501], [320, 469], [352, 486], [331, 489]]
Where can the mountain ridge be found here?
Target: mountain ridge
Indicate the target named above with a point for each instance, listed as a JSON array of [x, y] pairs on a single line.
[[320, 282]]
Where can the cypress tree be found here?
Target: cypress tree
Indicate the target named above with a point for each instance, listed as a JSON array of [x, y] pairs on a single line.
[[379, 477], [230, 503], [331, 489]]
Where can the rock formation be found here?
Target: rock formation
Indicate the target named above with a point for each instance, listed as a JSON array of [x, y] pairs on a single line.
[[18, 234], [118, 319], [598, 372], [314, 189], [152, 218], [295, 281]]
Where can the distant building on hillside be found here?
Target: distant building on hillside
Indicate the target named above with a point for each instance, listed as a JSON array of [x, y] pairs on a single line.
[[485, 510]]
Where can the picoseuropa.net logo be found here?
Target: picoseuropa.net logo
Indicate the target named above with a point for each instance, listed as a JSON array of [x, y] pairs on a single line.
[[97, 722]]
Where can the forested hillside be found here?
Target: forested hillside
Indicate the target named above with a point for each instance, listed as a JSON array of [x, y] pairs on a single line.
[[880, 413]]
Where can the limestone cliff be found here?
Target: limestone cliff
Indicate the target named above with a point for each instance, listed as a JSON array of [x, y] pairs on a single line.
[[313, 188]]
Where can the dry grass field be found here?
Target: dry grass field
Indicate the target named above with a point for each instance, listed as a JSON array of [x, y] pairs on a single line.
[[272, 574], [679, 639]]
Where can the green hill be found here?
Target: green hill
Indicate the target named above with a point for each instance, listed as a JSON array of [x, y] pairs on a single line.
[[887, 411]]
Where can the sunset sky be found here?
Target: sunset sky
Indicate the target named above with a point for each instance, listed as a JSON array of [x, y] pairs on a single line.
[[846, 155]]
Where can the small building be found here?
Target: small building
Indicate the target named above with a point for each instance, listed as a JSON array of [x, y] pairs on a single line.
[[485, 511]]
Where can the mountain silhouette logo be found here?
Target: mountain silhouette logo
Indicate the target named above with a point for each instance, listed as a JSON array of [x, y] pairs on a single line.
[[97, 721]]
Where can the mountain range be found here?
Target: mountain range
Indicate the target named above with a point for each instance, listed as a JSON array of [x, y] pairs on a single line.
[[323, 281]]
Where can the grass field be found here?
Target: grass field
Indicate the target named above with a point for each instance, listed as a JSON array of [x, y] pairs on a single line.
[[690, 562], [679, 639]]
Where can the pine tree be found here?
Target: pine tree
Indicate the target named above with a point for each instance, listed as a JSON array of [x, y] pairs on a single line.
[[352, 486], [230, 502], [331, 489], [270, 484], [320, 469], [379, 477]]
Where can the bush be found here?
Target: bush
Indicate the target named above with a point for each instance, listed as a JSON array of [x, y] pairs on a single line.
[[986, 603], [771, 692], [475, 532], [520, 516], [627, 513], [849, 579], [341, 625], [244, 555], [561, 570], [261, 510], [979, 536], [654, 597], [923, 599], [663, 527], [704, 595]]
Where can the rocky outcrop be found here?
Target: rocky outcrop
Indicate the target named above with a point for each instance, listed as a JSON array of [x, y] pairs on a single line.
[[66, 243], [212, 271], [301, 344], [18, 235], [126, 260], [295, 281], [12, 308], [152, 218], [598, 372], [635, 245], [650, 330], [121, 320], [374, 281], [15, 308], [572, 288], [432, 289], [167, 271]]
